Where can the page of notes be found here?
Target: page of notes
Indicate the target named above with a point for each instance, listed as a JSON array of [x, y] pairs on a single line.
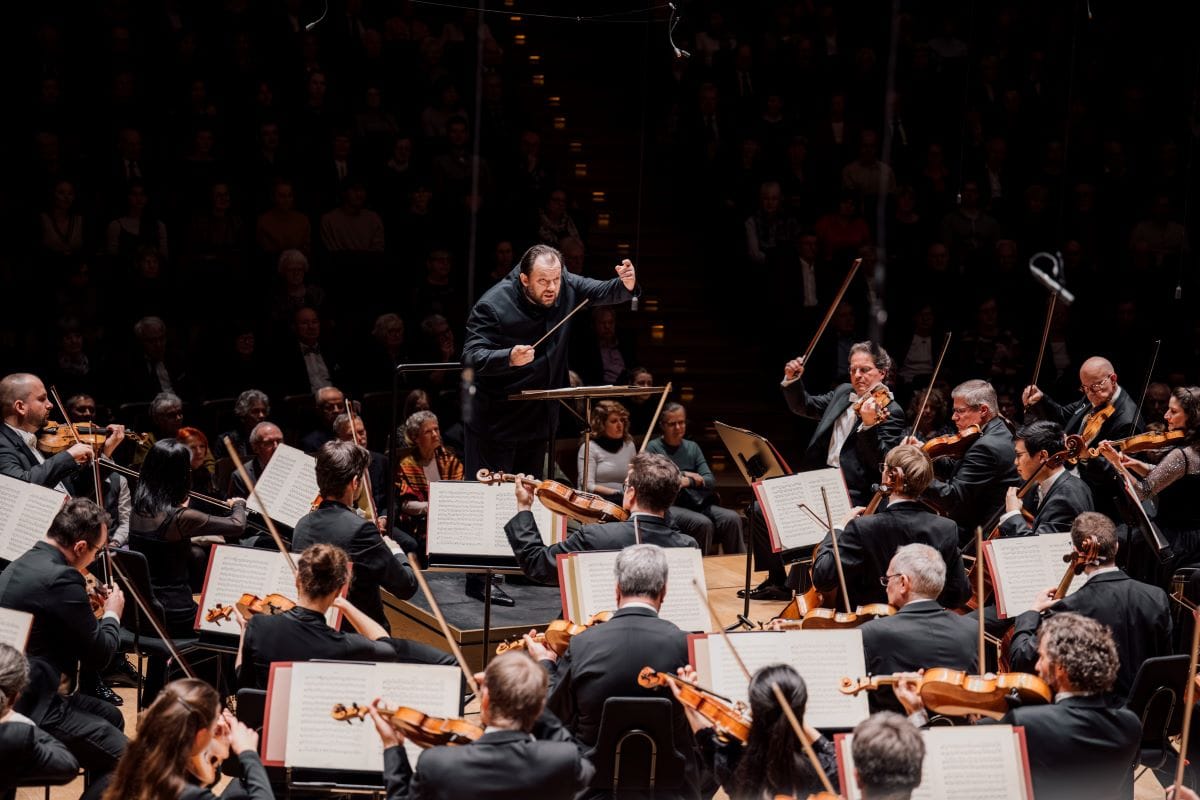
[[468, 518], [288, 486], [14, 628], [1023, 567], [26, 511], [822, 657], [784, 499], [592, 586], [233, 571]]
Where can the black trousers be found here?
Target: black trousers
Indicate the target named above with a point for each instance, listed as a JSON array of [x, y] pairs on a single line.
[[90, 728]]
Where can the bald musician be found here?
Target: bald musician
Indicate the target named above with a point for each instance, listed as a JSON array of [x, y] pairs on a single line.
[[25, 406]]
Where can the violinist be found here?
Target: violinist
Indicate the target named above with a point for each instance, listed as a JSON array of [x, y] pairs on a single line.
[[772, 761], [378, 560], [854, 433], [648, 492], [177, 738], [1137, 614], [522, 753], [975, 483], [118, 498], [921, 633], [867, 543], [888, 751], [1057, 496], [47, 581], [1079, 747], [302, 634], [604, 661], [25, 406], [1174, 481], [1106, 411]]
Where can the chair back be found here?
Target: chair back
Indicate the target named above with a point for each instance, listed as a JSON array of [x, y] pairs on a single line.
[[1157, 697], [635, 747], [137, 569]]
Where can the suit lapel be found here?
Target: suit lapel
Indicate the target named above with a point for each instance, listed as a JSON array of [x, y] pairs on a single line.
[[19, 444], [837, 406]]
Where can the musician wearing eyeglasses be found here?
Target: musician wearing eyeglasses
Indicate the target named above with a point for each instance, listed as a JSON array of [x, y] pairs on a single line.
[[1057, 495]]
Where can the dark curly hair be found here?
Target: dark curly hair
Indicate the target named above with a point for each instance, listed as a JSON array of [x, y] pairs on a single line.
[[1084, 648]]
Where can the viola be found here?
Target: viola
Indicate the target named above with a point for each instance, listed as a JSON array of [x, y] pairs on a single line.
[[56, 437], [882, 491], [249, 605], [557, 635], [957, 694], [424, 730], [952, 445], [1142, 441], [562, 499], [727, 718]]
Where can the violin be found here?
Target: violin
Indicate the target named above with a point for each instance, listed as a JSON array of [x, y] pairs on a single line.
[[562, 499], [957, 694], [205, 766], [727, 718], [952, 445], [882, 396], [55, 437], [827, 618], [422, 729], [95, 598], [1140, 442], [1091, 428], [557, 635], [249, 605]]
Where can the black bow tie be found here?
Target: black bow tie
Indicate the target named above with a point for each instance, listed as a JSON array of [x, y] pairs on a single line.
[[315, 350]]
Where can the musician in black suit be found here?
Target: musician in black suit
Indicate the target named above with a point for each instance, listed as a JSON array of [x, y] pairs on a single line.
[[1079, 747], [1058, 497], [648, 492], [855, 440], [26, 750], [921, 634], [973, 491], [1101, 395], [378, 561], [301, 633], [522, 753], [47, 581], [26, 408], [867, 543], [604, 661], [1137, 614]]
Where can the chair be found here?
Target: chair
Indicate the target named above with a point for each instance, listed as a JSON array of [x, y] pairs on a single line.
[[251, 710], [635, 747], [1157, 698], [217, 415], [34, 782], [137, 633]]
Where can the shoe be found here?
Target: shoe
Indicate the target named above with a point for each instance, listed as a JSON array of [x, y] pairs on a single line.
[[768, 591], [103, 691], [499, 596], [122, 674]]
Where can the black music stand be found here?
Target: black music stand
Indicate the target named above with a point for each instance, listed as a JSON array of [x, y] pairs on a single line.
[[757, 459]]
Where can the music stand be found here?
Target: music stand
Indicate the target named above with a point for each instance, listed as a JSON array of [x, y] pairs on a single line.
[[757, 459], [587, 394]]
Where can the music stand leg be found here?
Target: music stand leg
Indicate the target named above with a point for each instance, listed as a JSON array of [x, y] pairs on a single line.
[[744, 617], [487, 615]]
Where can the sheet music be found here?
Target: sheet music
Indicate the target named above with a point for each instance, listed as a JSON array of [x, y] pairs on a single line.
[[1023, 567], [592, 581], [234, 570], [26, 511], [273, 745], [468, 518], [288, 486], [791, 526], [822, 657], [983, 762], [14, 627], [316, 740]]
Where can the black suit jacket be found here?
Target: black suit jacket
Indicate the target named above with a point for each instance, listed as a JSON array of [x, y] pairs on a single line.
[[1137, 613], [868, 544], [974, 493], [539, 561], [65, 631], [29, 752], [1068, 497], [500, 764], [291, 374], [1079, 748], [17, 461], [374, 565], [604, 661], [863, 451], [920, 635]]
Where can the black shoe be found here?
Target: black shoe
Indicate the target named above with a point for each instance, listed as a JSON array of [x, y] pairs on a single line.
[[122, 674], [105, 693], [499, 596], [768, 591]]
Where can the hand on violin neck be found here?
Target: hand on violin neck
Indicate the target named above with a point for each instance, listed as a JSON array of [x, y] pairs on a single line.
[[116, 435], [537, 650], [389, 735], [523, 493], [114, 600], [242, 739], [1011, 501], [908, 692], [870, 413]]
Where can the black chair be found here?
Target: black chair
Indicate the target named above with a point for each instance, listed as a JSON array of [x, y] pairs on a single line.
[[136, 632], [34, 782], [251, 710], [1157, 697], [635, 748]]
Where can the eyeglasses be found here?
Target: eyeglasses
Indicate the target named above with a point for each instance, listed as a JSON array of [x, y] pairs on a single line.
[[963, 410], [1094, 387], [884, 579]]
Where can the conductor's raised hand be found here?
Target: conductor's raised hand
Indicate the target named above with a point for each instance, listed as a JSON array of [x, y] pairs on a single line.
[[627, 274], [793, 369], [523, 493], [520, 355]]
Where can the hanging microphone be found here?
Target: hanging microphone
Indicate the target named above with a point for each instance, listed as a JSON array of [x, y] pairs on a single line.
[[319, 19], [1054, 286]]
